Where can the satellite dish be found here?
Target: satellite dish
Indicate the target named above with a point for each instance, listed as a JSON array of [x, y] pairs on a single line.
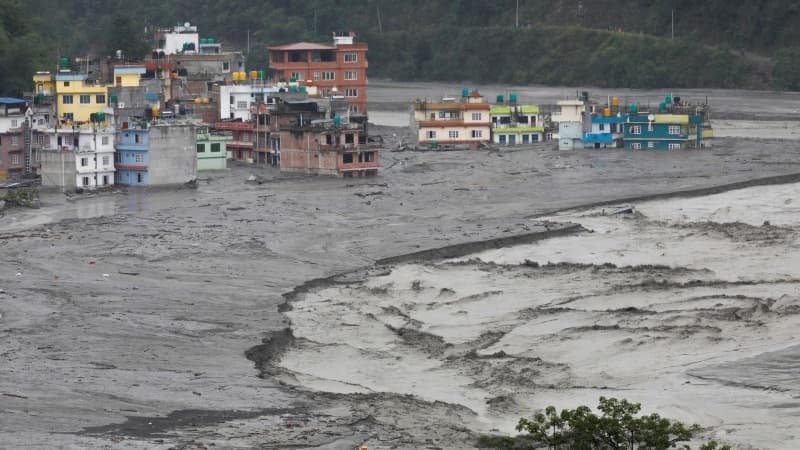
[[187, 24], [651, 117]]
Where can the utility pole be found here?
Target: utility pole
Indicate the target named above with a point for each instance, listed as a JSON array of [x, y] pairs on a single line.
[[673, 24], [517, 15], [248, 42], [378, 10]]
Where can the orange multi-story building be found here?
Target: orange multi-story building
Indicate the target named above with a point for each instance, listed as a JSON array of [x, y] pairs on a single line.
[[338, 69]]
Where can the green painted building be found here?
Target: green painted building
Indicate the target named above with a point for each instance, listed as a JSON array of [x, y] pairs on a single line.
[[212, 151], [516, 124]]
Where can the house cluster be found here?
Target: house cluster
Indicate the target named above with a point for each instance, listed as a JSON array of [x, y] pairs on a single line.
[[190, 106], [470, 119]]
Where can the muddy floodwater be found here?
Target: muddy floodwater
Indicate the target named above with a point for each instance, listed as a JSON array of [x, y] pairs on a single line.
[[445, 297], [689, 306]]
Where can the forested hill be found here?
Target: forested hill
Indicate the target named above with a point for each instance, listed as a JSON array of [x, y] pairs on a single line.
[[626, 43]]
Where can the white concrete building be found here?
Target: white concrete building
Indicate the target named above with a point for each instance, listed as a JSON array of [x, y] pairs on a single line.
[[236, 100], [80, 157], [173, 41], [570, 111]]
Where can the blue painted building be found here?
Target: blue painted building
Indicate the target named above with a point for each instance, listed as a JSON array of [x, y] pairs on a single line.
[[605, 132], [132, 157], [663, 131]]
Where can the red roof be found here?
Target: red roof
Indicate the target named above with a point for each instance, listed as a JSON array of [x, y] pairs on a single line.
[[303, 46]]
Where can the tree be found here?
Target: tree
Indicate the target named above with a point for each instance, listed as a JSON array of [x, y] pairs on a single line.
[[125, 36], [618, 427], [786, 73]]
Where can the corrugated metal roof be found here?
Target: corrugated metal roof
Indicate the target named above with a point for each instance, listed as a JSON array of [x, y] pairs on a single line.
[[11, 101]]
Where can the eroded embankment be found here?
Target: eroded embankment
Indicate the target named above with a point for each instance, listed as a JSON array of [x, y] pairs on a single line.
[[661, 303]]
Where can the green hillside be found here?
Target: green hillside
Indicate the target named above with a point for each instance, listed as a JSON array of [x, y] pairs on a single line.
[[625, 43]]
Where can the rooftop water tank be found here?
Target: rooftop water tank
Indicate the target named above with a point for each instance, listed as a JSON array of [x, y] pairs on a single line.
[[662, 106], [464, 92], [606, 112], [64, 63], [500, 98], [614, 101], [253, 74], [260, 74], [512, 98], [634, 108]]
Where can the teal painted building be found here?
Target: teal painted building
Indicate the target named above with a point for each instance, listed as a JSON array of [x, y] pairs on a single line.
[[663, 131], [212, 152]]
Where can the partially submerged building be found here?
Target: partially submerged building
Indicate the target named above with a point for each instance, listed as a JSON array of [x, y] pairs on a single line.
[[663, 131], [159, 154], [80, 156], [212, 152], [312, 137], [514, 124], [453, 121]]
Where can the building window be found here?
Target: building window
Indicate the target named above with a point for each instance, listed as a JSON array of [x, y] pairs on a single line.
[[535, 137], [350, 57], [351, 92], [636, 129], [246, 137], [14, 159], [501, 139], [40, 139], [139, 158], [104, 140], [139, 178], [105, 180], [347, 158], [674, 129], [430, 135], [68, 116], [105, 160], [84, 162], [66, 99], [526, 139], [66, 84], [85, 181], [674, 146], [297, 75], [215, 148], [477, 133], [201, 148], [316, 76], [137, 138], [14, 140], [651, 144], [117, 157], [351, 75], [602, 127], [100, 99], [86, 99], [241, 105], [14, 123], [636, 146], [226, 66], [476, 116], [328, 76], [453, 134]]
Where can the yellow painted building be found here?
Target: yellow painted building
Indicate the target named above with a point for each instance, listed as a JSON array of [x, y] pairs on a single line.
[[77, 99], [128, 76], [44, 83]]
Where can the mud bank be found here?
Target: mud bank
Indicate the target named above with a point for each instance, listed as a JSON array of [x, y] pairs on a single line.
[[680, 304]]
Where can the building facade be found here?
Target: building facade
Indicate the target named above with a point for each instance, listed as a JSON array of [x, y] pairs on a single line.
[[157, 155], [338, 69], [80, 157], [451, 121], [212, 152], [663, 132], [77, 98], [516, 124]]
